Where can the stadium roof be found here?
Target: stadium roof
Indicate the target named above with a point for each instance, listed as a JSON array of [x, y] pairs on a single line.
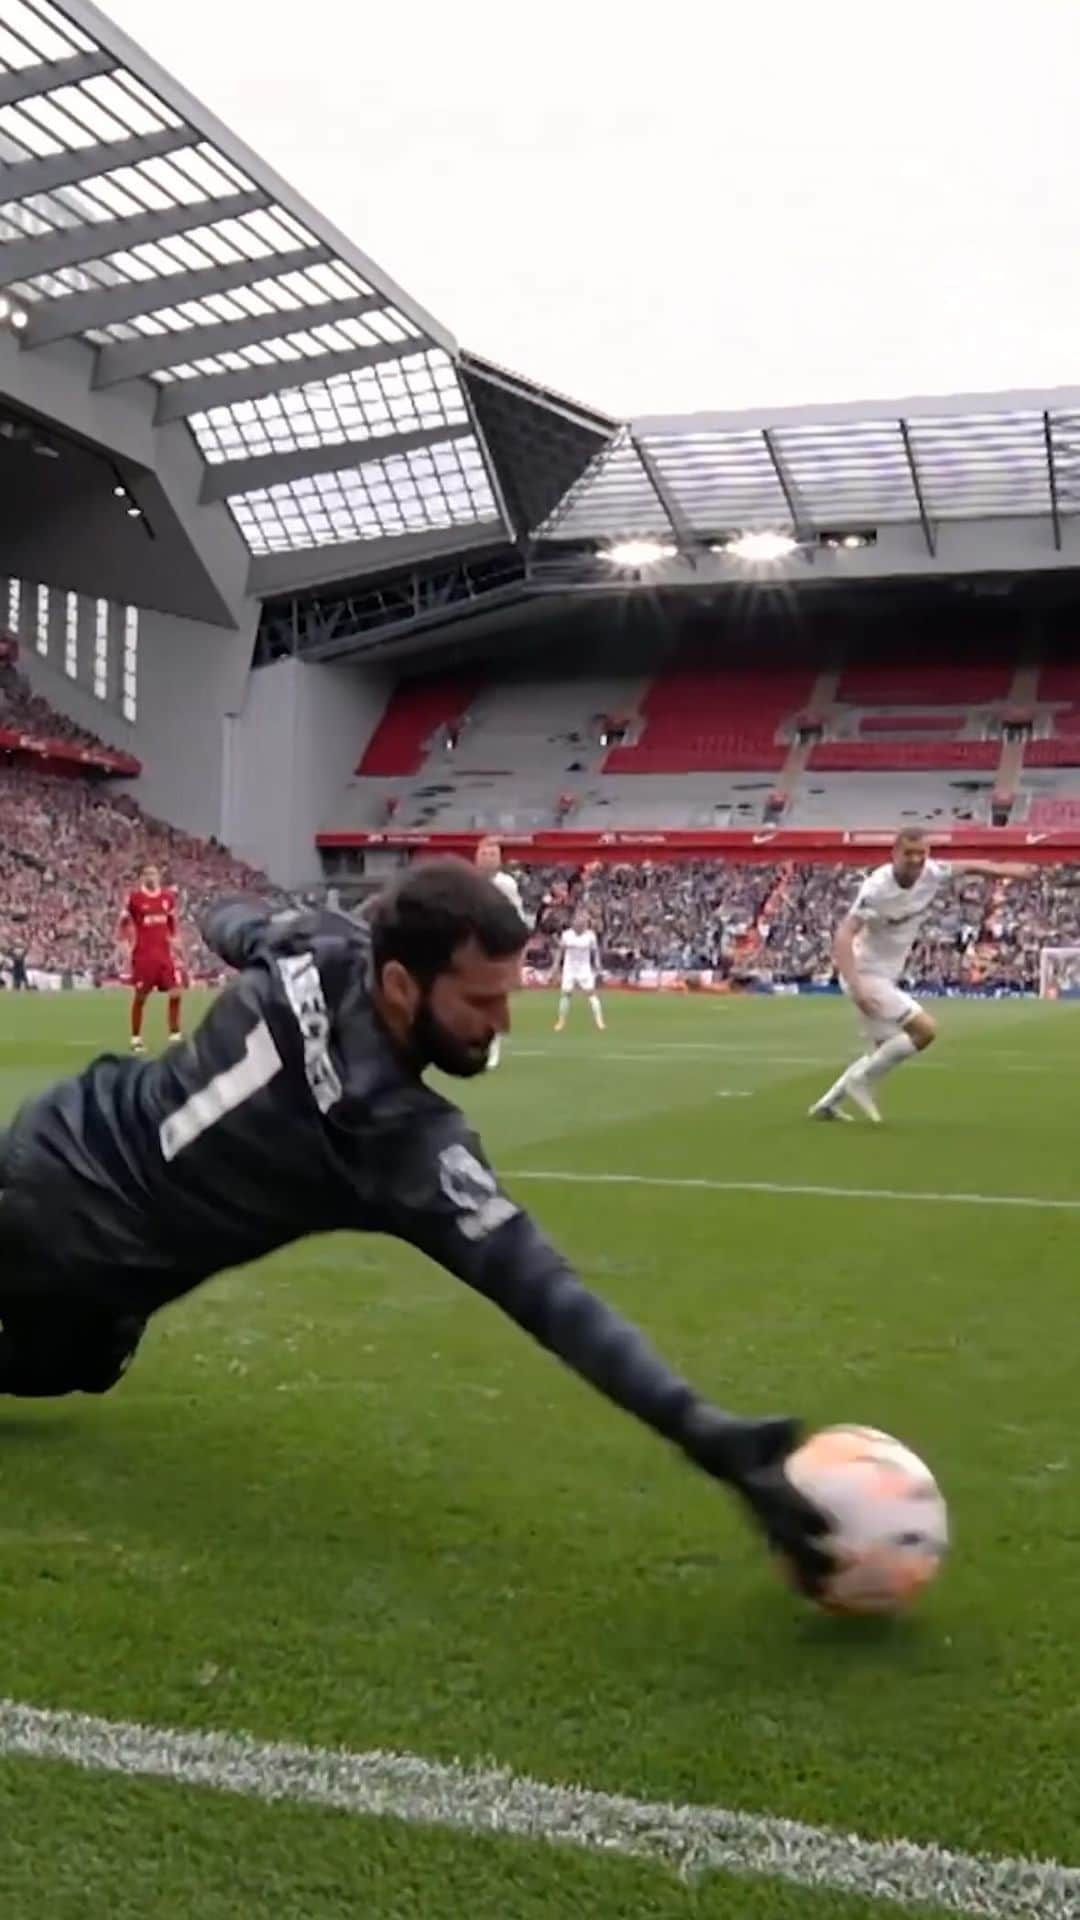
[[815, 469], [328, 407], [347, 433]]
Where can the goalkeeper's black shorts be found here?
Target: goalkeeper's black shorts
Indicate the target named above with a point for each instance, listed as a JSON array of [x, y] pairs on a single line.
[[54, 1343]]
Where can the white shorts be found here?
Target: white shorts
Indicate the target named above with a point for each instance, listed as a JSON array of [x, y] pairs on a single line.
[[586, 981], [893, 1008]]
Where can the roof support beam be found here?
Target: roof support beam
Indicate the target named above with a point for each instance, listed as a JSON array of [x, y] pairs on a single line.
[[183, 397], [924, 518], [73, 313], [800, 519], [67, 246], [676, 518], [132, 359], [1051, 469], [276, 469], [24, 177], [22, 83]]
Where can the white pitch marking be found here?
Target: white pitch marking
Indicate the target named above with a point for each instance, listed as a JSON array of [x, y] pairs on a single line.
[[1040, 1202], [690, 1839]]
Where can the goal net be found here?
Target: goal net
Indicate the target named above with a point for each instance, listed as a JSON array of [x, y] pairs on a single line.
[[1059, 973]]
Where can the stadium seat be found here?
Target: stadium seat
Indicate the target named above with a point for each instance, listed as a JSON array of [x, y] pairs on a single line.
[[699, 718], [415, 710], [927, 683], [854, 756]]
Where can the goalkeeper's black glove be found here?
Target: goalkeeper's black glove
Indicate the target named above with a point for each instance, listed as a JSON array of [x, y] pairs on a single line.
[[749, 1455]]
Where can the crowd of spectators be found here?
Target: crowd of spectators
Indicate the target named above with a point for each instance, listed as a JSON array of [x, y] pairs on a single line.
[[776, 922], [71, 848]]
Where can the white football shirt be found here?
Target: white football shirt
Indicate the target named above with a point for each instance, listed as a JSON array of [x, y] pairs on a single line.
[[891, 916], [580, 953]]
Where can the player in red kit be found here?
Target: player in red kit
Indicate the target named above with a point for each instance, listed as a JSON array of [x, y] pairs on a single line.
[[149, 927]]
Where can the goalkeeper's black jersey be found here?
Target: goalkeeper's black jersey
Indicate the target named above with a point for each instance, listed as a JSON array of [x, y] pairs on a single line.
[[290, 1112]]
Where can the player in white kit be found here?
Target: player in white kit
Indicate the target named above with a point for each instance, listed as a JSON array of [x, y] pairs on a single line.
[[580, 965], [489, 861], [871, 950]]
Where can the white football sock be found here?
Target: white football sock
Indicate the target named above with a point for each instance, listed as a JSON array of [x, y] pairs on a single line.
[[892, 1054], [871, 1066], [597, 1009], [495, 1051], [564, 1005]]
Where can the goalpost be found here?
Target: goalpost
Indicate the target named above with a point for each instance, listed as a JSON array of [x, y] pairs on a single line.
[[1059, 973]]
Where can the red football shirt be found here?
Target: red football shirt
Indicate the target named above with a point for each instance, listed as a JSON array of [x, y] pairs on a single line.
[[153, 917]]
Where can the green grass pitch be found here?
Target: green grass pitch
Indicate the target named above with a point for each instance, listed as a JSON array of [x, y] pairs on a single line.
[[341, 1501]]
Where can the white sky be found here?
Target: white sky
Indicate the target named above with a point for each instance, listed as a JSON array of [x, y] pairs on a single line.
[[685, 205]]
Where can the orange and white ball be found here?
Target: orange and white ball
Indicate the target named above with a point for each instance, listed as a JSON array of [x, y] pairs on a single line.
[[889, 1525]]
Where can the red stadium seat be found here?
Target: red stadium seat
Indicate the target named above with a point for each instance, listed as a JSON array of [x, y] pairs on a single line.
[[705, 718], [415, 710], [912, 756], [928, 683]]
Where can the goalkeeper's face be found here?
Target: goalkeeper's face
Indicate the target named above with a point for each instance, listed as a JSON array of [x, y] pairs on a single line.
[[456, 1019]]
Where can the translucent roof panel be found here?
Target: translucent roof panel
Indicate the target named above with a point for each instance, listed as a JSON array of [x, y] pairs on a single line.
[[192, 177], [110, 107], [817, 475], [445, 485], [614, 496], [366, 403], [984, 464], [385, 328], [1065, 438], [131, 218], [33, 31], [721, 480], [290, 294], [855, 470], [254, 236]]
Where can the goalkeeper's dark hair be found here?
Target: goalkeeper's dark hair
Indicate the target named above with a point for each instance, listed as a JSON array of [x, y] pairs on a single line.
[[424, 919]]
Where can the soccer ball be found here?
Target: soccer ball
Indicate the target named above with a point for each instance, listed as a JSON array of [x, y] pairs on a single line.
[[889, 1526]]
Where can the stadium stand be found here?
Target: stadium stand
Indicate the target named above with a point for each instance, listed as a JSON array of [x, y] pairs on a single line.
[[1056, 750], [1060, 681], [911, 724], [417, 712], [1053, 813], [778, 921], [880, 801], [848, 756], [698, 717], [925, 683], [72, 843], [70, 851]]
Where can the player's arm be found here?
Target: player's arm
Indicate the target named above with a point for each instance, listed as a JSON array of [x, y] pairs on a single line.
[[126, 934], [996, 869], [845, 959], [445, 1200], [233, 928], [843, 948]]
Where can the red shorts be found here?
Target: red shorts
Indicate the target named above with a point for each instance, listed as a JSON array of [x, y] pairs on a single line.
[[156, 973]]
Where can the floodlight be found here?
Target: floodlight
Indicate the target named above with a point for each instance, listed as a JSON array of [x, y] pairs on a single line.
[[638, 553], [759, 549]]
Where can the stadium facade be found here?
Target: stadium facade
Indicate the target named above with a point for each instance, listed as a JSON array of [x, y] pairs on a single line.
[[227, 439]]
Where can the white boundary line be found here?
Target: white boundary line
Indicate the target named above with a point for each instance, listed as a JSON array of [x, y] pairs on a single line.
[[690, 1839], [1040, 1202]]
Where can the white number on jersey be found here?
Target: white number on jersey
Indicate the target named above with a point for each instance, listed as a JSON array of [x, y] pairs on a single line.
[[225, 1092]]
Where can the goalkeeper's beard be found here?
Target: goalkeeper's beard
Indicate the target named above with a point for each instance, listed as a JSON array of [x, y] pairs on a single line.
[[433, 1045]]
